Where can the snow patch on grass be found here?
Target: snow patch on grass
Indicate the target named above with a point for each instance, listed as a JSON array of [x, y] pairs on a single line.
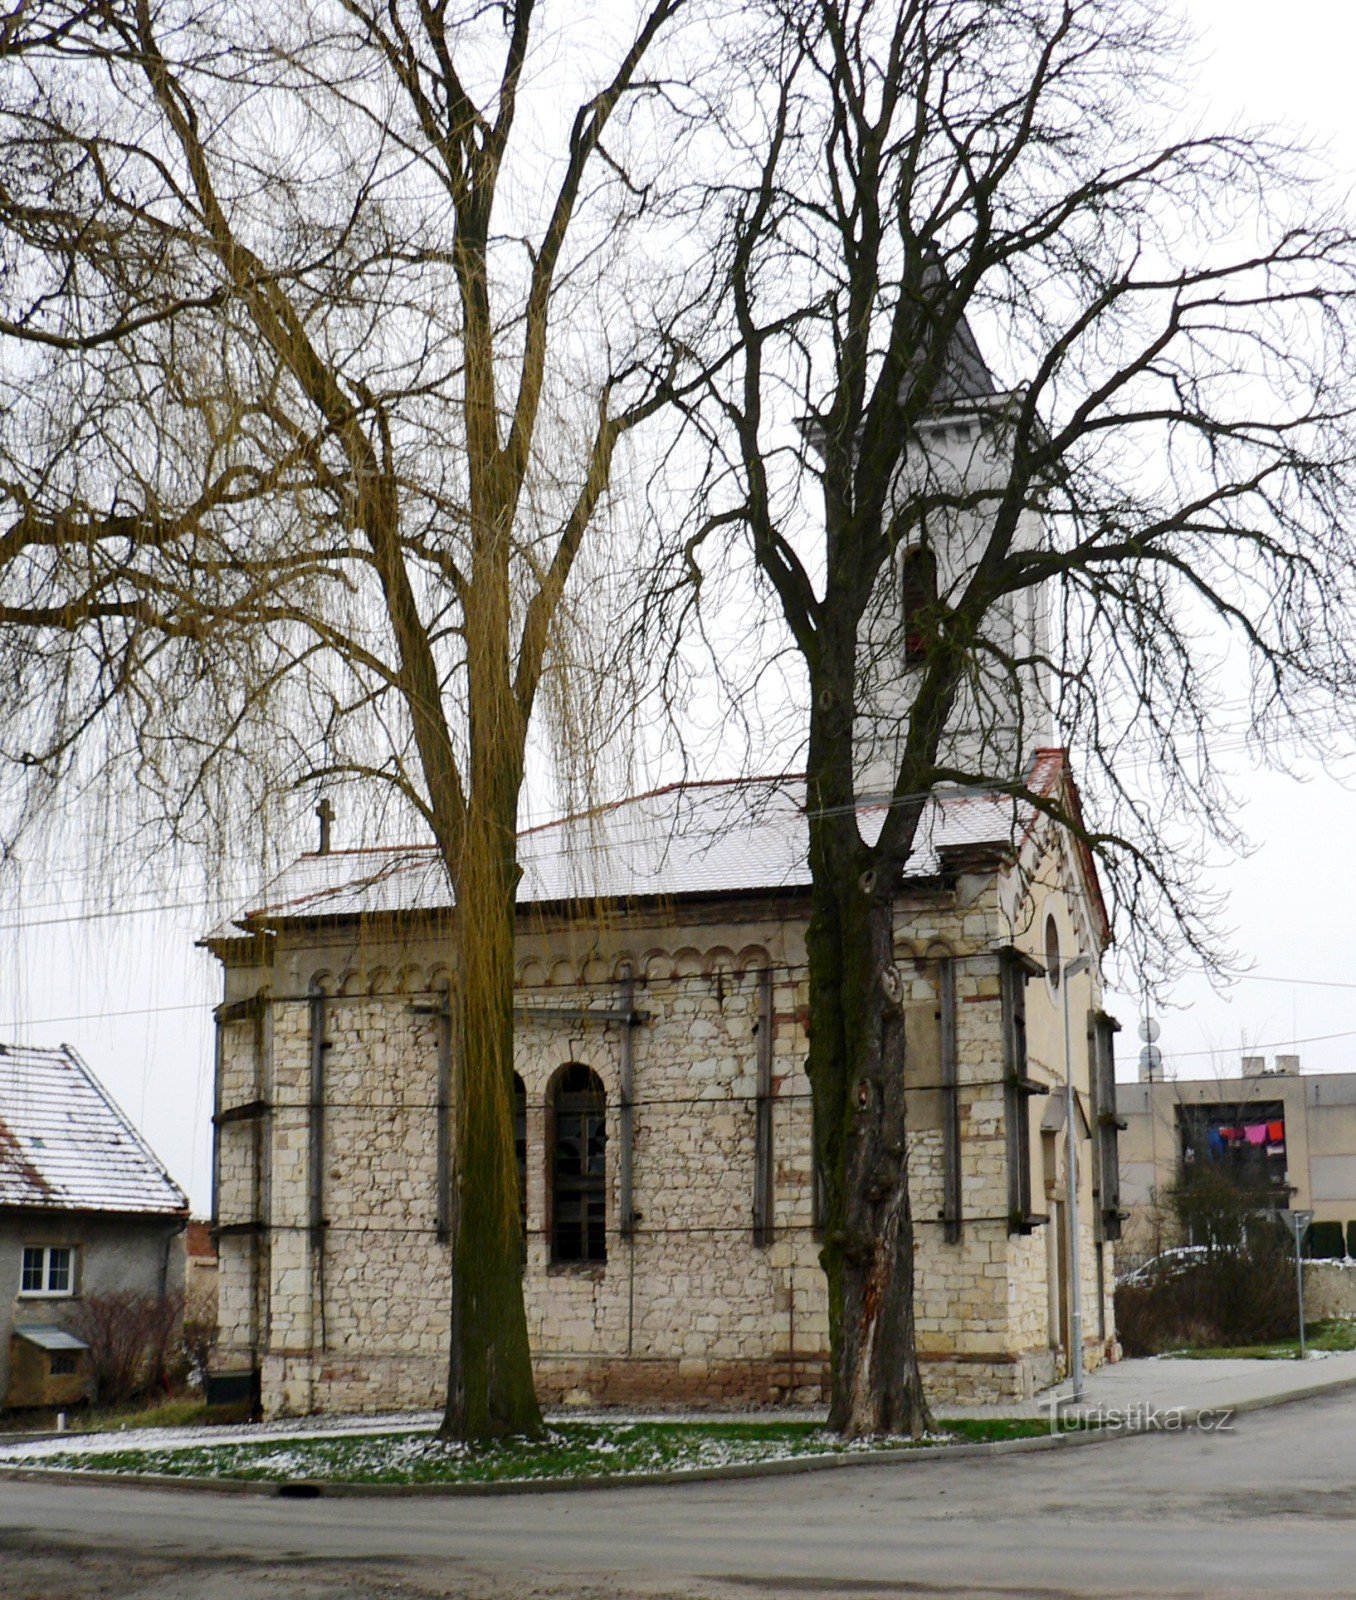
[[567, 1450]]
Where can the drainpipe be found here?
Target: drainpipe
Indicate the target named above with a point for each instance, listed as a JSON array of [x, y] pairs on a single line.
[[179, 1227]]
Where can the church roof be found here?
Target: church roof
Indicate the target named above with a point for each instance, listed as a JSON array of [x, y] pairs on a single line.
[[688, 840], [965, 375], [65, 1145]]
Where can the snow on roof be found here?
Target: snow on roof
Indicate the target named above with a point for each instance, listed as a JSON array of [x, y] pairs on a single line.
[[730, 837], [65, 1145]]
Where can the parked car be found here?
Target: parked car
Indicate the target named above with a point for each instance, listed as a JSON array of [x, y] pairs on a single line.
[[1167, 1265]]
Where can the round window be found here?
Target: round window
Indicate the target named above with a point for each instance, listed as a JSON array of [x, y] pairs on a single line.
[[1052, 962]]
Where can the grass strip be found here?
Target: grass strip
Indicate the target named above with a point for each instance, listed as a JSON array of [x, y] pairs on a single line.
[[577, 1450], [1333, 1334]]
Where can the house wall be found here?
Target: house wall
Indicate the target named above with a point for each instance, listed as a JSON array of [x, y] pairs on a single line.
[[139, 1255], [688, 1308], [1320, 1129], [1042, 1302]]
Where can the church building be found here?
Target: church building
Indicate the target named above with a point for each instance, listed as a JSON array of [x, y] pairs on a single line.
[[664, 1129]]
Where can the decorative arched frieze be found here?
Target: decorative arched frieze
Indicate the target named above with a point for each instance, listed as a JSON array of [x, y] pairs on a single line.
[[531, 974], [719, 958], [687, 962], [752, 958], [409, 979], [656, 963], [595, 969]]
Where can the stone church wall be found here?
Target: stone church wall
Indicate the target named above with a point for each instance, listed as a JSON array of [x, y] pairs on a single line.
[[688, 1308]]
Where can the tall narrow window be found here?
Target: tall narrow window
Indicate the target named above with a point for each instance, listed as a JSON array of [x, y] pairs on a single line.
[[316, 1165], [1018, 1087], [918, 600], [1102, 1031], [951, 1121], [578, 1167], [520, 1152], [762, 1123]]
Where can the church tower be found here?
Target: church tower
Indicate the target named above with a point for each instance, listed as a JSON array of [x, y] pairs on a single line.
[[947, 493]]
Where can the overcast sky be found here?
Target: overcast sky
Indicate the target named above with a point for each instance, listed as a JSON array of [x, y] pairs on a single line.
[[134, 996]]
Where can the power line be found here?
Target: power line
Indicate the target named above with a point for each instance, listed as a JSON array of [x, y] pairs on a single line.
[[650, 984], [791, 970], [63, 902], [1305, 983], [255, 1110], [204, 1006], [787, 968], [863, 803], [1281, 1044], [121, 911], [576, 847]]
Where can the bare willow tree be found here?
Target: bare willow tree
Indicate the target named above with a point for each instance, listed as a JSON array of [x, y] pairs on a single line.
[[321, 328], [1154, 502]]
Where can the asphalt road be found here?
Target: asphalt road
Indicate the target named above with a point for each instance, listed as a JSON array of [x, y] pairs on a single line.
[[1266, 1509]]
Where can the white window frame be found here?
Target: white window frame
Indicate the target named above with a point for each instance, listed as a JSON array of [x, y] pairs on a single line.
[[47, 1292]]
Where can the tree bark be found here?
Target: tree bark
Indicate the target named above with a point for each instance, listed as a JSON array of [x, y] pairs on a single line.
[[490, 1393], [857, 1055]]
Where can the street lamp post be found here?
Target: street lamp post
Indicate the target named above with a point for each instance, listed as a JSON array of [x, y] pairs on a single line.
[[1071, 969]]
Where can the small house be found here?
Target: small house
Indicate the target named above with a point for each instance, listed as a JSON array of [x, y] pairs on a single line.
[[86, 1207]]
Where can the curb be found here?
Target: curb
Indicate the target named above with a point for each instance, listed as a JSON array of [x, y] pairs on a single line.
[[319, 1488], [1265, 1402], [912, 1455]]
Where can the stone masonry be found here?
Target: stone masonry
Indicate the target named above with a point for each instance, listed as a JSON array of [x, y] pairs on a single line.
[[334, 1280]]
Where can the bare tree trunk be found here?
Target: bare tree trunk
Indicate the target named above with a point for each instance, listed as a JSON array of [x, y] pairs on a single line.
[[490, 1392], [857, 1052]]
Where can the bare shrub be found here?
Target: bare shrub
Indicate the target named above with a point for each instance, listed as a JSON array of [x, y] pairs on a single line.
[[1240, 1291], [133, 1340], [1146, 1319]]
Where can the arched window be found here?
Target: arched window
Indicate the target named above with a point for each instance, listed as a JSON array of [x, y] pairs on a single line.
[[578, 1166], [1053, 960], [520, 1152], [918, 598]]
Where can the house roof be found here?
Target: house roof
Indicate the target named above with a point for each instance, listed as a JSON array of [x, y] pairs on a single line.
[[688, 840], [65, 1145]]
